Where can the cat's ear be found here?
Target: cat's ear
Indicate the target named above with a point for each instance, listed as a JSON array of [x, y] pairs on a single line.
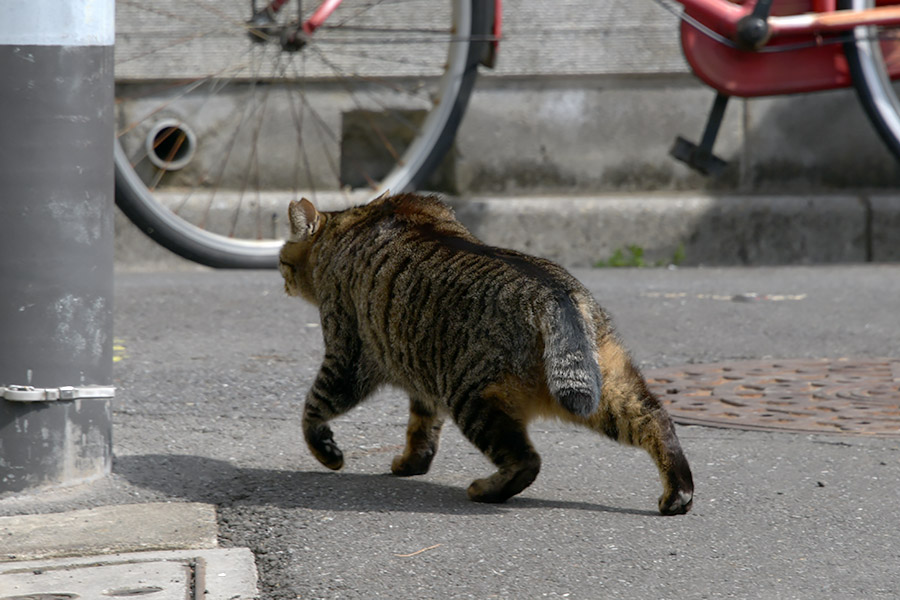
[[304, 218]]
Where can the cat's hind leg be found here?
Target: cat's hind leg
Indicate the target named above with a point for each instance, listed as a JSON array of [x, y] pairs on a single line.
[[422, 434], [629, 413], [490, 421]]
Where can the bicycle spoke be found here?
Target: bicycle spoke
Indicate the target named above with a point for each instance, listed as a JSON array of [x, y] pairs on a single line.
[[298, 114], [325, 135], [375, 128], [345, 76], [217, 80], [250, 109], [182, 18]]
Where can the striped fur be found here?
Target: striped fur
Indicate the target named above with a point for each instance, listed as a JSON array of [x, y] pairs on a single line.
[[491, 337]]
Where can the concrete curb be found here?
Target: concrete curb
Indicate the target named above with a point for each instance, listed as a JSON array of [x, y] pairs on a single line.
[[700, 229], [123, 550], [108, 530]]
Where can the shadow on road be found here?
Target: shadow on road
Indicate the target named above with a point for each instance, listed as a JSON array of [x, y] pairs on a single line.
[[202, 479]]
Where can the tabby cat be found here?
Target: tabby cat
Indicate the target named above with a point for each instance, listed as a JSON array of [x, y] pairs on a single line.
[[492, 337]]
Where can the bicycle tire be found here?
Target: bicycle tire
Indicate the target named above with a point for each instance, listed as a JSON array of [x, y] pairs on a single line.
[[169, 214], [870, 75]]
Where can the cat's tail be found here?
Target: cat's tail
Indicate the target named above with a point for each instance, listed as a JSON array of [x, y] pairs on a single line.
[[570, 357]]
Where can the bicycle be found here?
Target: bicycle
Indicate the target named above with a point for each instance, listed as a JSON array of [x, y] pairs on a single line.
[[408, 113]]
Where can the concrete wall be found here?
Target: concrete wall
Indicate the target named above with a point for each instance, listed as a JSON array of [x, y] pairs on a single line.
[[588, 95], [614, 134]]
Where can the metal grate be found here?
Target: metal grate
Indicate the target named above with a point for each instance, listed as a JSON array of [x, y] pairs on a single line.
[[844, 396]]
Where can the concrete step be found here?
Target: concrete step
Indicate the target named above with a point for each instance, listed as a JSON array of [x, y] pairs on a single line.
[[662, 228]]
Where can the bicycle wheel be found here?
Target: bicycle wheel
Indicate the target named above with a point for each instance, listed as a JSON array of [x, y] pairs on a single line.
[[221, 122], [871, 55]]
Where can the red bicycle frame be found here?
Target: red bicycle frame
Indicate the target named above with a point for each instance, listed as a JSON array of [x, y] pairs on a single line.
[[800, 27], [810, 66], [324, 10], [318, 17], [327, 7]]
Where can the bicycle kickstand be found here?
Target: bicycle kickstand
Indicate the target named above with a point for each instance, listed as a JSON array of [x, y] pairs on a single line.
[[701, 158]]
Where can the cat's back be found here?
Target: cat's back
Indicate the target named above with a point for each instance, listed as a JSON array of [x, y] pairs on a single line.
[[408, 242]]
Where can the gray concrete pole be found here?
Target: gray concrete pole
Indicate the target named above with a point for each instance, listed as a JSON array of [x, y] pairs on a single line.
[[56, 241]]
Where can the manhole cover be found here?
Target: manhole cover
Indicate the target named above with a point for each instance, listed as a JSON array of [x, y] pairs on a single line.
[[856, 397]]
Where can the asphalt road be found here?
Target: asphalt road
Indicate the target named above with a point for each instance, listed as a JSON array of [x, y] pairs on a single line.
[[213, 367]]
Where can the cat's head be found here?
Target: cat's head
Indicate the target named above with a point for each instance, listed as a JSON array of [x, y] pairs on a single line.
[[294, 260]]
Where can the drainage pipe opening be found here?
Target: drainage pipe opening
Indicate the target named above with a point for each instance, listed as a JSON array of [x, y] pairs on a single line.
[[171, 144]]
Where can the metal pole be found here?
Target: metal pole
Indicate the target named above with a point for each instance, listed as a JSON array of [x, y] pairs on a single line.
[[56, 241]]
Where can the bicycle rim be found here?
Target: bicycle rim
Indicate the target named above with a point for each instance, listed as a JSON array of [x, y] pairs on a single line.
[[870, 56], [219, 126]]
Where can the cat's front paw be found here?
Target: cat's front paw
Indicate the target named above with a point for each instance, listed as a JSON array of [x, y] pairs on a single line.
[[676, 502], [321, 444]]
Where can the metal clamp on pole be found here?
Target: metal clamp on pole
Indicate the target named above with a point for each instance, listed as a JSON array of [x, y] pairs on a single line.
[[27, 393]]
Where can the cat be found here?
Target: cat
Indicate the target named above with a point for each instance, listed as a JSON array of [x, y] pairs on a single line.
[[492, 337]]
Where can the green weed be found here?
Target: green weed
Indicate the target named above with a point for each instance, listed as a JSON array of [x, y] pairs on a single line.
[[633, 256]]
